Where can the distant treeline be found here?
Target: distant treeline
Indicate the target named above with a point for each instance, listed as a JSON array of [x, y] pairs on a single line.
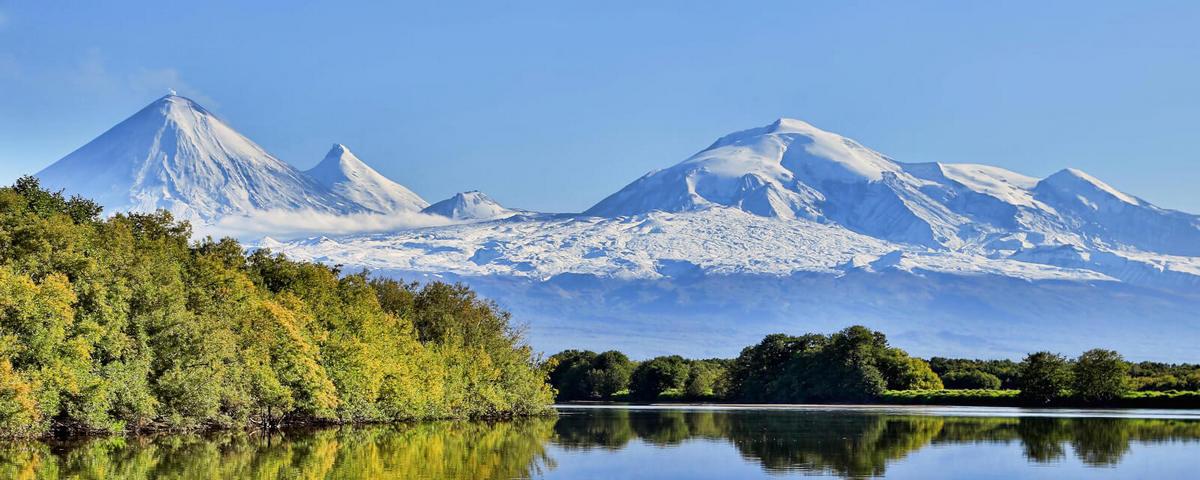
[[124, 323], [857, 364]]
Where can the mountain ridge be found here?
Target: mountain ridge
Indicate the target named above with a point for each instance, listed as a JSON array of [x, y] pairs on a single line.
[[958, 217]]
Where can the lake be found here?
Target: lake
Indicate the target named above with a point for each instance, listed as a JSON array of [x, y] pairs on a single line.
[[662, 443]]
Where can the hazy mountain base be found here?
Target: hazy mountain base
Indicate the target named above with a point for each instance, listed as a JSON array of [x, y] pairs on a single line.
[[975, 316]]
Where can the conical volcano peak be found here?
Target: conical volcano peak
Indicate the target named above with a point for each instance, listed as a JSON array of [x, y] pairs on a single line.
[[171, 105], [469, 205], [175, 155], [339, 159], [339, 149], [792, 125], [345, 174]]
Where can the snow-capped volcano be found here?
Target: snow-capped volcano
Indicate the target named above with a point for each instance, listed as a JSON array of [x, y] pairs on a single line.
[[472, 205], [788, 227], [345, 175], [790, 169], [826, 204], [176, 155]]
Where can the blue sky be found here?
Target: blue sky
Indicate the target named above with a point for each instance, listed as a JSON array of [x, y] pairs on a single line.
[[554, 105]]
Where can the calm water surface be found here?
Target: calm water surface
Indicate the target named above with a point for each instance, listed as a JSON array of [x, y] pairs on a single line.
[[663, 443]]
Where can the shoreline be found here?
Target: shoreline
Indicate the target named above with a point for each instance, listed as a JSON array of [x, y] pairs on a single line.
[[885, 408], [68, 433]]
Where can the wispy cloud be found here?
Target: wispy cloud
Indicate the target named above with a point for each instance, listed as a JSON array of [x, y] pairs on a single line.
[[154, 81], [92, 73], [287, 224]]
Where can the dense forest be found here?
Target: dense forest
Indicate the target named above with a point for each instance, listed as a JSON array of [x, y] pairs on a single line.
[[125, 324], [857, 365]]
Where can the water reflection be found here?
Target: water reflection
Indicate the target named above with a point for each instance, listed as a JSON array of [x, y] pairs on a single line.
[[846, 444], [432, 450], [858, 445]]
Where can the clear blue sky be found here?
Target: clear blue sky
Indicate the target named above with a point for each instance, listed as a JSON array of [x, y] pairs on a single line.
[[553, 106]]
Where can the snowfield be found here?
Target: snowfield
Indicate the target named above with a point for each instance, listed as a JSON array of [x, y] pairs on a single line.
[[714, 241]]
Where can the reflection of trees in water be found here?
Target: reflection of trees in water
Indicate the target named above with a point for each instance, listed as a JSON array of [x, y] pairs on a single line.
[[613, 429], [429, 450], [607, 429], [850, 445], [856, 445]]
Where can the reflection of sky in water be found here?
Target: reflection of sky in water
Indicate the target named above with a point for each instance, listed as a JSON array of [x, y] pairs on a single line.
[[896, 442], [710, 459], [660, 443]]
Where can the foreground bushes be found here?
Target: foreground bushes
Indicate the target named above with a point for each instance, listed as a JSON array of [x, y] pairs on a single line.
[[970, 380], [980, 397], [124, 324]]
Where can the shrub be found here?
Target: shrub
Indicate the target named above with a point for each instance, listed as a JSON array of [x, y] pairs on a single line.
[[970, 379]]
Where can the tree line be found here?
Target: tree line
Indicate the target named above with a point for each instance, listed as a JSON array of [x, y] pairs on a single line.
[[125, 324], [855, 364]]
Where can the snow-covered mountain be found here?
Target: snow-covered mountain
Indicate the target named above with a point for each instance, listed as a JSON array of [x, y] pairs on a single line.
[[344, 174], [791, 169], [472, 205], [787, 222], [765, 228], [178, 156]]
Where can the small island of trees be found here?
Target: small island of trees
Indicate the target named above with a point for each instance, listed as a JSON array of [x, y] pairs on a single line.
[[857, 365]]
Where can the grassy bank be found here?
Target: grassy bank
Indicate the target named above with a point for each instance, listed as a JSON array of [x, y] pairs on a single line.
[[1009, 398]]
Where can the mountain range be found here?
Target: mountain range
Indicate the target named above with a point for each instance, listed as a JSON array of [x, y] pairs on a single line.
[[177, 156], [782, 227]]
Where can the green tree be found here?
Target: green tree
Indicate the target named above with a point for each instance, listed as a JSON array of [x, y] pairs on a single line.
[[610, 373], [1043, 377], [912, 374], [657, 375], [855, 363], [1100, 375], [127, 323], [1005, 370], [754, 376], [704, 377], [970, 379], [570, 374]]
